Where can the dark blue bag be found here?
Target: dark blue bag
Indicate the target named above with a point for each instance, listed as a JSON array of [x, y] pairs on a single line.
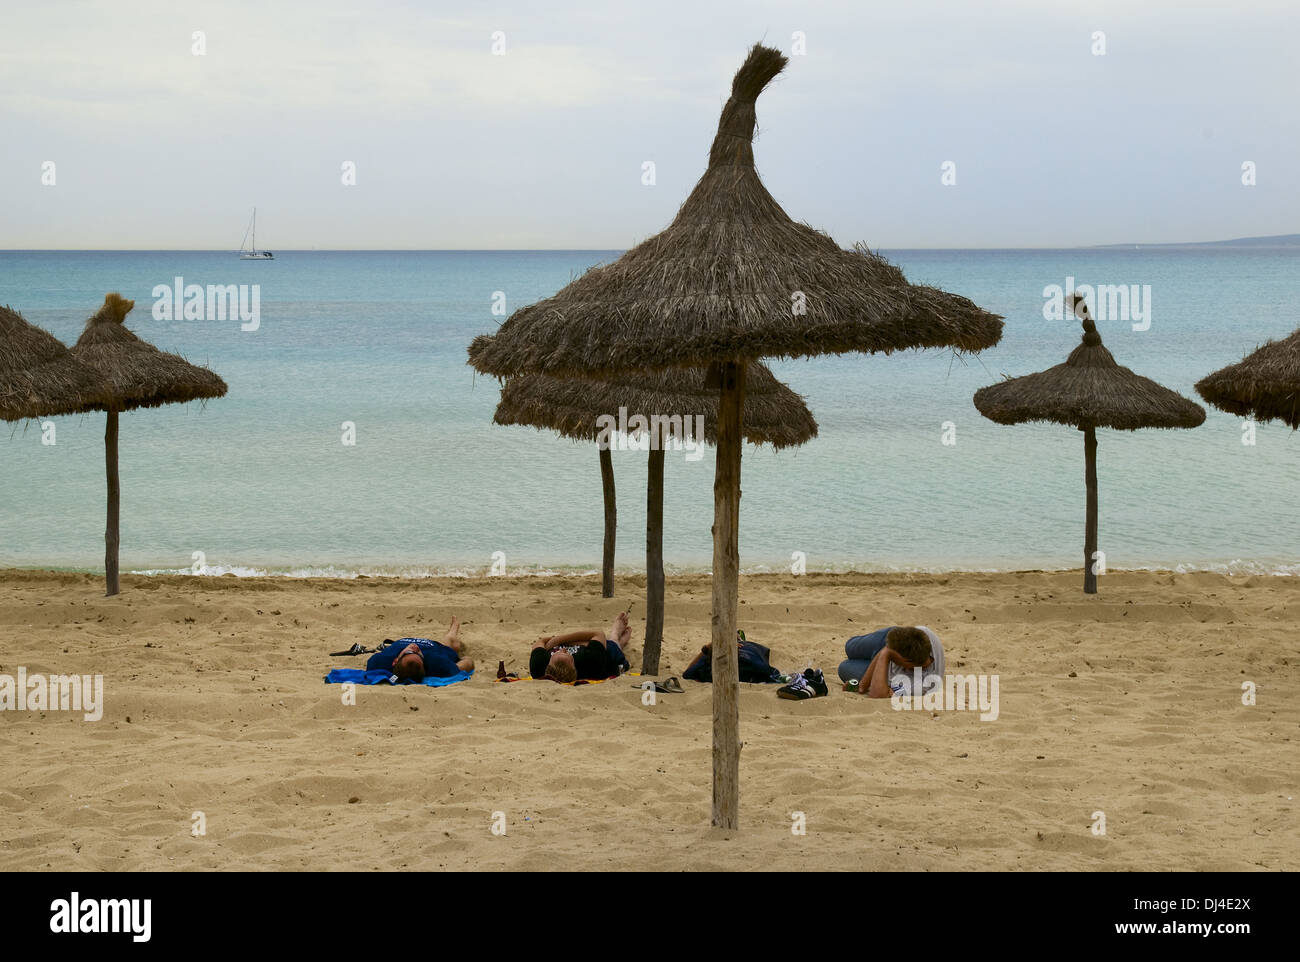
[[754, 665]]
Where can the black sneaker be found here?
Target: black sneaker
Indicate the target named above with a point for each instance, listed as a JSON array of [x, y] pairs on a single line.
[[810, 684], [818, 682]]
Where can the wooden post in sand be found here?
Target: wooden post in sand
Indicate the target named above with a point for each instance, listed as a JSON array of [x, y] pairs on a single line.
[[611, 523], [112, 531], [726, 576], [1090, 532], [654, 560]]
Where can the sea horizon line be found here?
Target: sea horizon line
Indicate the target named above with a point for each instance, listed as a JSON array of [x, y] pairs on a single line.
[[1273, 241]]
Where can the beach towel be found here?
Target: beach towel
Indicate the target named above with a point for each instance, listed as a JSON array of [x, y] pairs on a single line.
[[358, 676], [571, 684]]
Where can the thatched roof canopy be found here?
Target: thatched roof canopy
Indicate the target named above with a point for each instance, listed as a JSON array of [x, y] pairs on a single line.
[[1265, 385], [773, 414], [1089, 389], [38, 376], [139, 374], [732, 277]]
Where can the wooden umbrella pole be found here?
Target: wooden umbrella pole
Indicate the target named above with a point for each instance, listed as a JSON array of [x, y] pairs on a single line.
[[654, 562], [111, 535], [611, 523], [1090, 534], [726, 576]]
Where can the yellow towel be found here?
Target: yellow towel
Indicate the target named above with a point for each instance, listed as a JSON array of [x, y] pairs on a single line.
[[574, 684]]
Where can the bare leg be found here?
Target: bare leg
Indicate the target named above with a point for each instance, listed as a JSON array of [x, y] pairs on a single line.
[[465, 664], [620, 630], [452, 638]]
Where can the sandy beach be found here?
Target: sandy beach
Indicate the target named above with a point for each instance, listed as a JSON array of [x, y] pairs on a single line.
[[1127, 703]]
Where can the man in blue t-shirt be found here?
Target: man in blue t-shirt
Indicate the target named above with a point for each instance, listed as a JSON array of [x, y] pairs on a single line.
[[414, 658]]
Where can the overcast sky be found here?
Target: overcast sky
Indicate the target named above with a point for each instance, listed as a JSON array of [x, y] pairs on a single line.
[[543, 147]]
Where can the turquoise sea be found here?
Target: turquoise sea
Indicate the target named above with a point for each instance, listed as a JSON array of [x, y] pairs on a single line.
[[260, 480]]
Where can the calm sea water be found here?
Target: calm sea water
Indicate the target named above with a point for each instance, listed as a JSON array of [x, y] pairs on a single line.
[[260, 481]]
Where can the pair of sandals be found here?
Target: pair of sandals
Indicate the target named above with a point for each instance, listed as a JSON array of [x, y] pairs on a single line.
[[671, 686]]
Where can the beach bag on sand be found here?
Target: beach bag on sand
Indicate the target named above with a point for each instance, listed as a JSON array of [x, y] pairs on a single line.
[[754, 665]]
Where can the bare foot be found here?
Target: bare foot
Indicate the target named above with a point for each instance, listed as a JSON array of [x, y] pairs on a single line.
[[452, 638], [620, 631]]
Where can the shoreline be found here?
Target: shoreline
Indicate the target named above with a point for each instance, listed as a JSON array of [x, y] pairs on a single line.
[[1234, 569]]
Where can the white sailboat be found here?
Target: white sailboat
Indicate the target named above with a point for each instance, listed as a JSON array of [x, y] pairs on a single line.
[[247, 253]]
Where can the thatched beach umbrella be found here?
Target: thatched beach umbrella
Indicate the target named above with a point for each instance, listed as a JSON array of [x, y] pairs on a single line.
[[1264, 386], [1088, 391], [38, 376], [139, 376], [733, 279], [581, 410]]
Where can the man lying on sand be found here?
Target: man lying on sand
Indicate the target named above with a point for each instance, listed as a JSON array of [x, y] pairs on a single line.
[[884, 661], [424, 657], [590, 655]]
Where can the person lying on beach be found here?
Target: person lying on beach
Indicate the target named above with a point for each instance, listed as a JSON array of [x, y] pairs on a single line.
[[420, 656], [884, 662], [586, 655]]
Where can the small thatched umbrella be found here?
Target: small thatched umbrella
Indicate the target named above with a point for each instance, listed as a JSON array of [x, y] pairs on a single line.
[[38, 376], [139, 376], [732, 280], [1264, 386], [576, 409], [1088, 391]]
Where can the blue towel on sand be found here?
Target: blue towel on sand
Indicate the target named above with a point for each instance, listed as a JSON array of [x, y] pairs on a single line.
[[358, 676]]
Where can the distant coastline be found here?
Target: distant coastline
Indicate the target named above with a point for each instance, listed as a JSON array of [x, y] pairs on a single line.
[[1275, 241]]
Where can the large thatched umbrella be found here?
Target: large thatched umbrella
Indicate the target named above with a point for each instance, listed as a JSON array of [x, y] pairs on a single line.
[[38, 377], [673, 403], [1088, 391], [733, 279], [1264, 386], [139, 376]]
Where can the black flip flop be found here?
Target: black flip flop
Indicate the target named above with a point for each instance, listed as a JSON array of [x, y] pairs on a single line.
[[359, 649], [670, 687]]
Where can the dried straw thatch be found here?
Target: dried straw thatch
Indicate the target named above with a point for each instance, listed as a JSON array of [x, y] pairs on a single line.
[[139, 376], [729, 279], [1090, 388], [732, 279], [1264, 386], [38, 377], [773, 414], [574, 407], [1088, 391]]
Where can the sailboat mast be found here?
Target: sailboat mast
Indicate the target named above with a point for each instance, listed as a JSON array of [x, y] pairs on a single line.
[[252, 253]]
